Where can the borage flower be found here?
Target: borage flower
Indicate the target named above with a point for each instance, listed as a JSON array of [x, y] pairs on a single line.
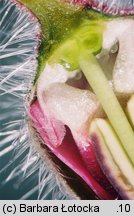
[[83, 86]]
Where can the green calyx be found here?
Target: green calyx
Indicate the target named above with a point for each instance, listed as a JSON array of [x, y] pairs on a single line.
[[87, 38], [58, 21]]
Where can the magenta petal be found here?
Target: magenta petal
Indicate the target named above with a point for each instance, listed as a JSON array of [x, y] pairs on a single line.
[[53, 130], [67, 152], [88, 155]]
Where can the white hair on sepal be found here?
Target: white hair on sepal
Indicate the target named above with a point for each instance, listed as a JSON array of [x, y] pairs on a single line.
[[21, 168], [110, 7]]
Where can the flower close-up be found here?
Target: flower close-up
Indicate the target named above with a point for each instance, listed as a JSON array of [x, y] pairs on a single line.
[[67, 99]]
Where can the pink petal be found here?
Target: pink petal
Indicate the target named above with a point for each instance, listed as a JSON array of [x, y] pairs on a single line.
[[67, 152], [53, 130]]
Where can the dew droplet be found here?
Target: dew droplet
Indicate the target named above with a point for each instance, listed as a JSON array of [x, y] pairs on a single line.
[[114, 48], [67, 66]]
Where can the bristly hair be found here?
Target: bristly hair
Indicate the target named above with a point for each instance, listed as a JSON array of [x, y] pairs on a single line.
[[23, 174], [110, 7]]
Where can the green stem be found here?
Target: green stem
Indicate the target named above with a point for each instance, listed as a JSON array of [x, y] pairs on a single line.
[[110, 104]]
